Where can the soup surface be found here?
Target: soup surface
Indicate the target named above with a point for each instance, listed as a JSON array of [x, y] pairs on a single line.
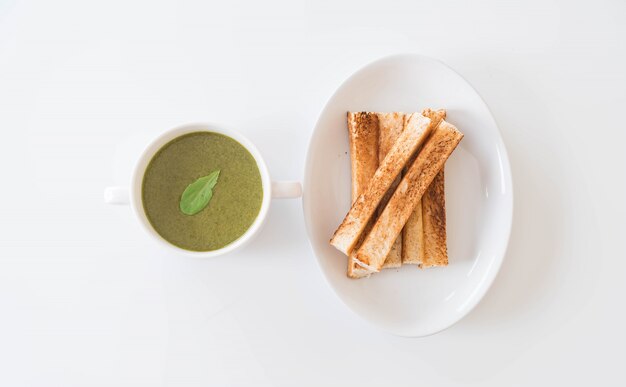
[[236, 199]]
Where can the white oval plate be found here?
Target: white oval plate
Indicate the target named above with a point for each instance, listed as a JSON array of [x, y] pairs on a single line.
[[479, 197]]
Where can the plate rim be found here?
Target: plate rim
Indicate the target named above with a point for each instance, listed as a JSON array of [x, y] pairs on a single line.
[[508, 178]]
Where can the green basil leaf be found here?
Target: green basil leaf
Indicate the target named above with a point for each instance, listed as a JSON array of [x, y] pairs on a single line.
[[197, 194]]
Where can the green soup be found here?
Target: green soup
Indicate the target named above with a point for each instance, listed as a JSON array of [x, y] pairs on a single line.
[[236, 200]]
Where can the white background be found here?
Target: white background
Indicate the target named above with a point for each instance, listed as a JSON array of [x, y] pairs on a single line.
[[87, 300]]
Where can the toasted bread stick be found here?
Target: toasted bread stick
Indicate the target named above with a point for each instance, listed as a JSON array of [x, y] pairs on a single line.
[[413, 232], [430, 160], [347, 235], [390, 128], [363, 133], [434, 216]]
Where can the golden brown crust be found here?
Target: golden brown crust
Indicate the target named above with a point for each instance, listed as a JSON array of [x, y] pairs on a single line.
[[436, 115], [434, 215], [413, 232], [414, 184], [362, 210], [364, 136]]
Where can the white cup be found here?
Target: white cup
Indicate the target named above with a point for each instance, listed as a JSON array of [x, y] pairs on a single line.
[[132, 195]]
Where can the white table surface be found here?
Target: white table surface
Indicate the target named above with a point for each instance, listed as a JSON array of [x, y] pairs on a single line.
[[87, 300]]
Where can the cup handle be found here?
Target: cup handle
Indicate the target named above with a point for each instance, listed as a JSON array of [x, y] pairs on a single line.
[[116, 195], [286, 189]]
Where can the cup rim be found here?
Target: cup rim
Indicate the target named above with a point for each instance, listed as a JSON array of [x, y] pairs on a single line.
[[157, 143]]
